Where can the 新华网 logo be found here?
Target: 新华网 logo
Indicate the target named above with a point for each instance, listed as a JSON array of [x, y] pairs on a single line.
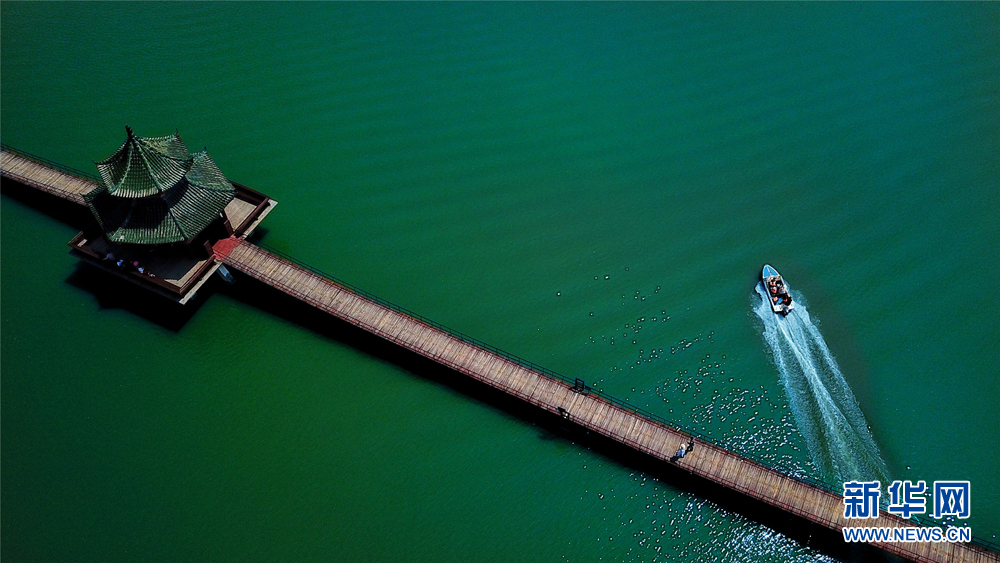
[[951, 498]]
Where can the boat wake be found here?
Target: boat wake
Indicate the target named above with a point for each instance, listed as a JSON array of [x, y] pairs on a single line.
[[825, 410]]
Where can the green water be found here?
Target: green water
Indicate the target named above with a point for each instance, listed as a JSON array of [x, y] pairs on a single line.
[[548, 178]]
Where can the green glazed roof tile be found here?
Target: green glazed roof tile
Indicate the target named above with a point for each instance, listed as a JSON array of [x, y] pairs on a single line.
[[141, 202], [145, 166]]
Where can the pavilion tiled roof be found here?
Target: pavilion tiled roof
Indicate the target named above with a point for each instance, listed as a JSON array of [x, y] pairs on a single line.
[[156, 192], [145, 166]]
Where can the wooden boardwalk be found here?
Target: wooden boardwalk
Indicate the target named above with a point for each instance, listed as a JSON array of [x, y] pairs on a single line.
[[530, 385], [45, 178], [594, 413]]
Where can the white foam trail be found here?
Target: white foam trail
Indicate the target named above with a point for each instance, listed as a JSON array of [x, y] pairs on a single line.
[[825, 410]]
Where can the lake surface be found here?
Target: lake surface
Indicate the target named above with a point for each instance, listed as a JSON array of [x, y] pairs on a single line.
[[593, 187]]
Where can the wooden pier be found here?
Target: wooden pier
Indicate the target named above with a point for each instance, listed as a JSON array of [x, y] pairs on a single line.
[[572, 400], [46, 178], [576, 403]]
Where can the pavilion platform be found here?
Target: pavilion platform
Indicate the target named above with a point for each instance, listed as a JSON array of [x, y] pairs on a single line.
[[175, 271]]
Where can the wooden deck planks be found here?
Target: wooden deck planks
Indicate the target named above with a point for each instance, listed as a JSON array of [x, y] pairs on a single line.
[[706, 460], [41, 177]]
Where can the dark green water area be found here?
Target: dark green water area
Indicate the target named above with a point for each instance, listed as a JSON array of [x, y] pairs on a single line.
[[593, 187]]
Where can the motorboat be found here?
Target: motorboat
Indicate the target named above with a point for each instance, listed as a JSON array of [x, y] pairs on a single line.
[[777, 291]]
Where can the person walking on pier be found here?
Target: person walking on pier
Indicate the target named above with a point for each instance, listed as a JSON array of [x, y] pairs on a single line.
[[681, 452]]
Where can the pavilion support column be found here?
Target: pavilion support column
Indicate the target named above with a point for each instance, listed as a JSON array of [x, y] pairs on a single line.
[[226, 223]]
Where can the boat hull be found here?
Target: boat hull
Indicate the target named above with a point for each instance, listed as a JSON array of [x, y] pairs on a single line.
[[777, 292]]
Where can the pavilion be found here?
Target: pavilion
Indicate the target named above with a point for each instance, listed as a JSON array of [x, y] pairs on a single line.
[[159, 210]]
